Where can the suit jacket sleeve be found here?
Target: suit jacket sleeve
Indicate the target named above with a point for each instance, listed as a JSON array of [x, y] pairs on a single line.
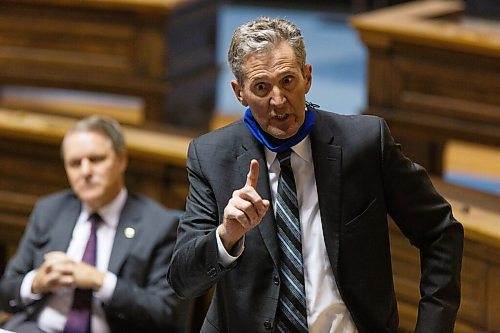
[[426, 219], [26, 259], [194, 267]]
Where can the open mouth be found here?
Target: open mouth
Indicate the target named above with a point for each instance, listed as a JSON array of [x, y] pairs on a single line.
[[281, 117]]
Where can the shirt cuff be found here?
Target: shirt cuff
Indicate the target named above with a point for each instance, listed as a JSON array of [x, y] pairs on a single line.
[[226, 259], [108, 287], [27, 296]]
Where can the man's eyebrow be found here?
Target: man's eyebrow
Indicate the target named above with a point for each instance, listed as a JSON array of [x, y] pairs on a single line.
[[258, 77]]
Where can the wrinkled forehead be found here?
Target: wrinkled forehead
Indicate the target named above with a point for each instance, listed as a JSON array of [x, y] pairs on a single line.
[[272, 57]]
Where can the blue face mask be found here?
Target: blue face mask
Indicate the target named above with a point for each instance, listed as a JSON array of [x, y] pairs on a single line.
[[279, 145]]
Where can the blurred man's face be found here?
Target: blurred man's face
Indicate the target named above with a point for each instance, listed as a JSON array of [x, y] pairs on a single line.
[[94, 170], [275, 89]]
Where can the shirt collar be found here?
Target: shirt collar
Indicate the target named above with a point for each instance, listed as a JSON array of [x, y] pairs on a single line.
[[302, 149], [110, 213]]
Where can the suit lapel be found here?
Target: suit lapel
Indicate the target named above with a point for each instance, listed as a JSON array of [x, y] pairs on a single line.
[[327, 159], [63, 227], [127, 229], [252, 149]]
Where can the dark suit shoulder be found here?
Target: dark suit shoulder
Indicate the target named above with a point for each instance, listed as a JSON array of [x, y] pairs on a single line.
[[234, 128], [230, 134], [347, 129], [57, 197], [221, 146], [159, 222], [53, 204], [347, 120]]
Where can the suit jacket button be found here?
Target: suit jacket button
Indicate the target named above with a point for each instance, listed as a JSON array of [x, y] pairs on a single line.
[[268, 325], [276, 280], [212, 271]]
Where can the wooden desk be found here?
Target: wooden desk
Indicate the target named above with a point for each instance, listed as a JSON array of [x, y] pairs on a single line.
[[160, 52], [31, 166], [433, 74]]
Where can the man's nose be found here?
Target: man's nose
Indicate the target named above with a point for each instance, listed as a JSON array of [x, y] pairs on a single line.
[[277, 97], [86, 166]]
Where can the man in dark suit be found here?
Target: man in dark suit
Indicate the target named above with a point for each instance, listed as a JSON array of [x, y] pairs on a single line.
[[319, 259], [126, 285]]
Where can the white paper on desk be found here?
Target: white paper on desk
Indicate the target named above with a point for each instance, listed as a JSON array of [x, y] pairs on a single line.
[[5, 331]]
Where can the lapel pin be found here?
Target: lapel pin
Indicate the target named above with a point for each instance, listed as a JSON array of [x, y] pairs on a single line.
[[129, 232]]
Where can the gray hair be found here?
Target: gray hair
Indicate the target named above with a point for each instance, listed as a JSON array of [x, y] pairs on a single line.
[[106, 126], [260, 36]]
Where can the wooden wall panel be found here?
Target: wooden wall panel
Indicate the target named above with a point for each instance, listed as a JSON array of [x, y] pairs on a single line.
[[434, 75], [141, 49], [494, 300]]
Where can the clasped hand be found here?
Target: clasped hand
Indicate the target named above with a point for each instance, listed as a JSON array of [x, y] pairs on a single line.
[[58, 271], [244, 210]]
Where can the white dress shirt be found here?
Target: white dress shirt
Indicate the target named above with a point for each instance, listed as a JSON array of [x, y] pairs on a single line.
[[326, 312], [52, 318]]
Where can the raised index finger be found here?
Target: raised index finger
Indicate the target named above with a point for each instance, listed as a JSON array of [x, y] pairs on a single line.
[[253, 174]]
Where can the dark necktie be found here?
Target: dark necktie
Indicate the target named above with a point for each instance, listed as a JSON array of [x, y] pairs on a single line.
[[291, 313], [80, 313]]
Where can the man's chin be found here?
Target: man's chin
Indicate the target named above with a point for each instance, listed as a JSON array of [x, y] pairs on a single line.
[[89, 198], [282, 134]]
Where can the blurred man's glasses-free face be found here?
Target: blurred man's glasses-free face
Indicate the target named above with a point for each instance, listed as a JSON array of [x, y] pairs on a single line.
[[95, 172]]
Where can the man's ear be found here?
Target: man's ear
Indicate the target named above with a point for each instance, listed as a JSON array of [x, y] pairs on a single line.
[[238, 92], [123, 158], [308, 76]]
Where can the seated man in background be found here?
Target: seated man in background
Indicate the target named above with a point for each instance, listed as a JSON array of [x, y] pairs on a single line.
[[94, 258]]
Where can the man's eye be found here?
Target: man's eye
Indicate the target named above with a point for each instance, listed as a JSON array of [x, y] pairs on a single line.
[[74, 163], [287, 80], [97, 159], [260, 87]]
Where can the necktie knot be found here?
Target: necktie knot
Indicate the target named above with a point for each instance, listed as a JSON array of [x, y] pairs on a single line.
[[284, 158], [95, 219]]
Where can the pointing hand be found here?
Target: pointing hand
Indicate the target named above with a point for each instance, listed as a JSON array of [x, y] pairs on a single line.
[[244, 210]]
